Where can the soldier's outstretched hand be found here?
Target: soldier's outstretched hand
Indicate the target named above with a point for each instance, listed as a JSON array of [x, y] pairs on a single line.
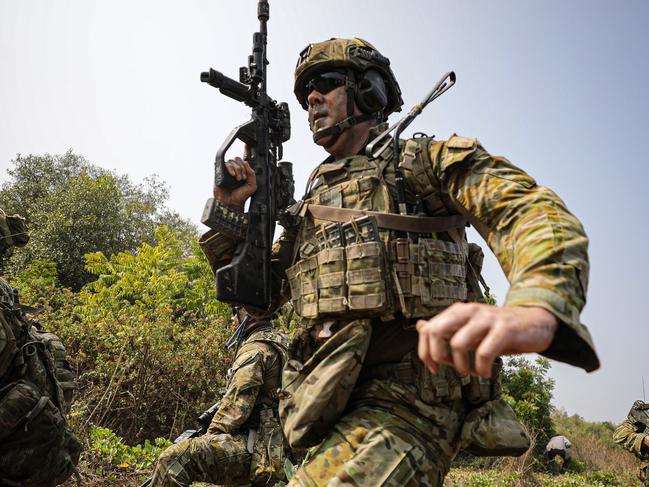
[[464, 329], [241, 170]]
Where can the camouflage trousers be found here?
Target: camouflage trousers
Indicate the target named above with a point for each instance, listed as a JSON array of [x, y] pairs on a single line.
[[218, 459], [387, 437], [643, 474]]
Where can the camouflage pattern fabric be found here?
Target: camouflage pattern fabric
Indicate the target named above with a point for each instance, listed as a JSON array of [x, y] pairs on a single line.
[[631, 437], [388, 438], [325, 381], [222, 456], [492, 429], [216, 458]]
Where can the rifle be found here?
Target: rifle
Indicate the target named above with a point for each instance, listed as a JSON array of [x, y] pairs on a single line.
[[246, 280], [204, 421]]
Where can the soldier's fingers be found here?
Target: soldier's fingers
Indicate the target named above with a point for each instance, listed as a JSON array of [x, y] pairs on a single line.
[[229, 166], [241, 171], [491, 346], [235, 168], [440, 350], [452, 319], [466, 340], [423, 351], [436, 346], [250, 174]]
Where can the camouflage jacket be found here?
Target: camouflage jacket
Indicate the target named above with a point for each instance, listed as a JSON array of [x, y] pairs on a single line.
[[540, 245], [631, 437], [255, 377]]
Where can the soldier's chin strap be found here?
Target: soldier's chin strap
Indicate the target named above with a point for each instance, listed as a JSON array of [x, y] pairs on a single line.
[[335, 130], [351, 120]]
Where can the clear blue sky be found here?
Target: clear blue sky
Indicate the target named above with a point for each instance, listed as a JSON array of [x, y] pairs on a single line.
[[558, 87]]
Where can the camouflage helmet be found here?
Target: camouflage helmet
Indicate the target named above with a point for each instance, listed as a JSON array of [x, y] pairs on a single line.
[[355, 54], [639, 412], [13, 232]]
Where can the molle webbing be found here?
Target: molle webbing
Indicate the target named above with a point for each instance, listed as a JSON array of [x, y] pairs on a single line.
[[390, 221]]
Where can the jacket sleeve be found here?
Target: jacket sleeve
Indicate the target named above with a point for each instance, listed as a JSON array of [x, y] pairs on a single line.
[[540, 245], [241, 394], [627, 436]]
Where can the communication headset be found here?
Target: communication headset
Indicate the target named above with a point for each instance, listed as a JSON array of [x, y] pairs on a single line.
[[370, 93]]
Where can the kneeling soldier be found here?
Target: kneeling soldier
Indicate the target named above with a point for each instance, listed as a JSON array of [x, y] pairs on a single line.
[[633, 434], [244, 443]]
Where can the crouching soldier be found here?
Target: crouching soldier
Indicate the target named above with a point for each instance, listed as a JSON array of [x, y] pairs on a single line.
[[244, 443], [633, 434], [558, 446]]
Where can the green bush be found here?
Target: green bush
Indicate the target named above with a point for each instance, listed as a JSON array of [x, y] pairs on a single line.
[[146, 336], [110, 451], [528, 389]]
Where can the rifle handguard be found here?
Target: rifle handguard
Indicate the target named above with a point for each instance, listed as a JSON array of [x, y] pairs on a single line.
[[224, 219]]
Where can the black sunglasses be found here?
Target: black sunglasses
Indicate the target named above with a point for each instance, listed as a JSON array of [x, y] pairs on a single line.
[[325, 82]]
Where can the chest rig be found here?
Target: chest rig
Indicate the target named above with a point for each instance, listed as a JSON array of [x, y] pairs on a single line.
[[355, 256]]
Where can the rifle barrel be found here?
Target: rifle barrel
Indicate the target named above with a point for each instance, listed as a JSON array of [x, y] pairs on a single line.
[[227, 86]]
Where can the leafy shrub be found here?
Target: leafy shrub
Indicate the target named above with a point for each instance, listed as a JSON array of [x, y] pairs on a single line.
[[111, 452], [528, 390], [146, 337]]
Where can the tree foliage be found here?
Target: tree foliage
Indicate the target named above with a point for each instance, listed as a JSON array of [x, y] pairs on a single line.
[[528, 389], [74, 207]]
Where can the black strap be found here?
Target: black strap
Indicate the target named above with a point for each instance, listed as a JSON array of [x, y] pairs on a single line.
[[340, 127]]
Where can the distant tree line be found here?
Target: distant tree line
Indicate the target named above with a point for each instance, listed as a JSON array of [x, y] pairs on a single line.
[[74, 207]]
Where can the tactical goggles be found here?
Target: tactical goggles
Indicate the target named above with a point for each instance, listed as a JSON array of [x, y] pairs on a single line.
[[324, 83]]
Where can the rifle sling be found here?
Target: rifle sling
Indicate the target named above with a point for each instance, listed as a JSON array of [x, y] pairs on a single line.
[[390, 221]]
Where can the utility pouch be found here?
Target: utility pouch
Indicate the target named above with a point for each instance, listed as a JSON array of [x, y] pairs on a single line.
[[429, 274], [315, 392], [268, 456], [479, 390], [65, 375], [366, 277], [445, 385], [332, 288], [492, 429], [442, 268], [36, 448], [303, 279]]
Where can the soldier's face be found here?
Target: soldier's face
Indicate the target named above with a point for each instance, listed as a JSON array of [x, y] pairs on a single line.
[[326, 110]]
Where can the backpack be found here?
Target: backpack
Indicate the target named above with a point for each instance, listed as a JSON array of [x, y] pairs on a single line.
[[37, 449]]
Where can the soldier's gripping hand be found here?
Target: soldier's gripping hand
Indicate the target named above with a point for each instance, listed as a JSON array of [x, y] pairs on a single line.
[[464, 329], [645, 441], [239, 169]]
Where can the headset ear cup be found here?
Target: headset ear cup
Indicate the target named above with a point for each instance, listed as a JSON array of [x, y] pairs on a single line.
[[371, 93]]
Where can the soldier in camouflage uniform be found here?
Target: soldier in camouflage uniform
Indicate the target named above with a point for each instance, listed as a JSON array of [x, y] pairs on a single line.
[[37, 449], [231, 452], [634, 436], [388, 393]]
